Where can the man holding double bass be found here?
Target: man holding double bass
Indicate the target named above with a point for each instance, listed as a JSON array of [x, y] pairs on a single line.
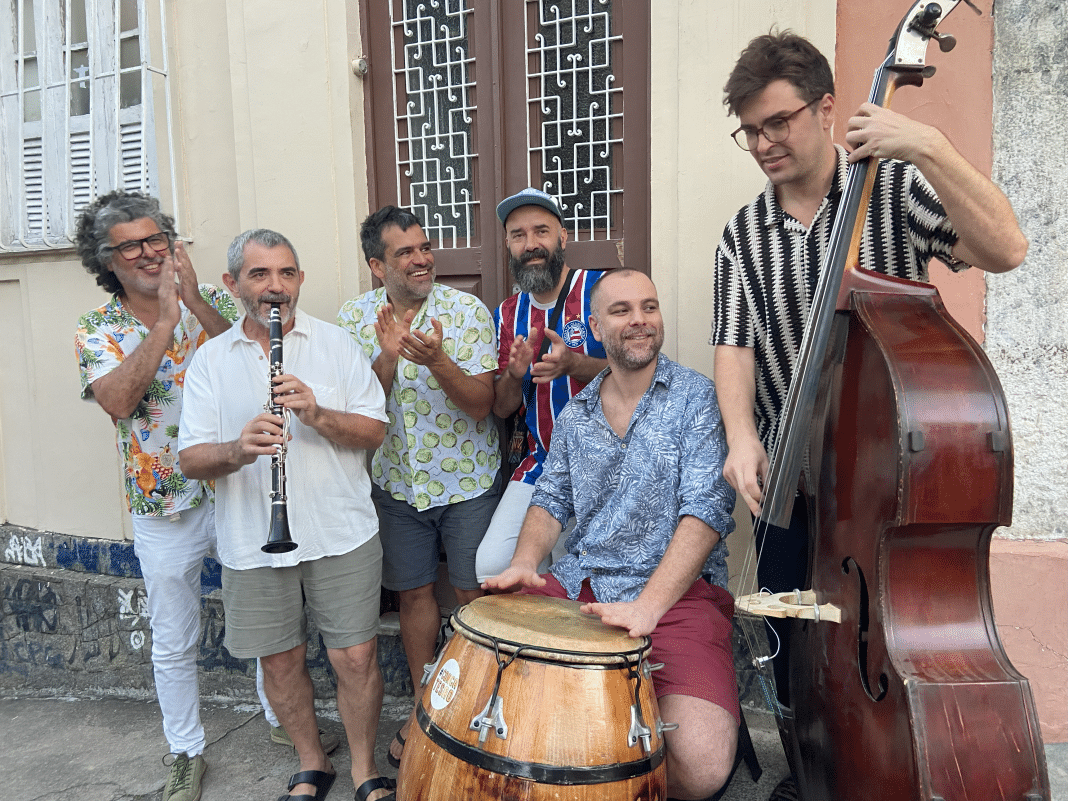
[[927, 202], [336, 412]]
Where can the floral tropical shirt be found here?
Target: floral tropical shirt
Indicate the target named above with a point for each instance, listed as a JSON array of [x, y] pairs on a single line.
[[434, 454], [147, 439], [627, 494]]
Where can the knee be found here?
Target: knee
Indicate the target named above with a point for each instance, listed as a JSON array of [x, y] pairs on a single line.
[[282, 666], [359, 662], [700, 753], [417, 598], [699, 778]]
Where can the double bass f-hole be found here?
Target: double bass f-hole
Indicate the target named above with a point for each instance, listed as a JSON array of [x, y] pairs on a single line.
[[850, 567]]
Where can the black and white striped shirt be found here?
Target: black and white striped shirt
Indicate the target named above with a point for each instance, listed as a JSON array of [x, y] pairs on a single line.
[[767, 265]]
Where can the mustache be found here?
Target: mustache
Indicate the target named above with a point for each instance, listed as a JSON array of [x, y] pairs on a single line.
[[539, 253], [645, 331], [275, 297]]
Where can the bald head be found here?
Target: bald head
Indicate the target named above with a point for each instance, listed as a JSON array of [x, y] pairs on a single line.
[[611, 277], [626, 319]]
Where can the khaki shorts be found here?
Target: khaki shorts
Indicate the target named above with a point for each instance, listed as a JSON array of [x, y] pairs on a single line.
[[265, 606]]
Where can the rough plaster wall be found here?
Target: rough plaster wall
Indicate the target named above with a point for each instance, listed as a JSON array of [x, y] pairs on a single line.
[[1027, 310]]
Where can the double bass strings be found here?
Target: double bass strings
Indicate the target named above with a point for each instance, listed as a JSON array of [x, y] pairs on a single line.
[[789, 458]]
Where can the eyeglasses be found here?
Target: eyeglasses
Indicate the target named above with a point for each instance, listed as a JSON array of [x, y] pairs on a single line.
[[775, 130], [133, 248]]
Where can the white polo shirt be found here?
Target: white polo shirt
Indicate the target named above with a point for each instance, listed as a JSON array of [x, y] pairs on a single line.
[[329, 491]]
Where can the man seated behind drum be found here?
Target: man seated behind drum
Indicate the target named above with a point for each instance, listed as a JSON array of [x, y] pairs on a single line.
[[637, 457]]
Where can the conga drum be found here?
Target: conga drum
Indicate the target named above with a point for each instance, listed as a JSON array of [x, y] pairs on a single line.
[[531, 700]]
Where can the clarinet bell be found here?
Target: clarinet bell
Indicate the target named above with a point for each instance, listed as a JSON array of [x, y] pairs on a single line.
[[278, 540]]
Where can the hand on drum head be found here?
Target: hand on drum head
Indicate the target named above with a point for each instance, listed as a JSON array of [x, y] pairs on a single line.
[[630, 615], [513, 579]]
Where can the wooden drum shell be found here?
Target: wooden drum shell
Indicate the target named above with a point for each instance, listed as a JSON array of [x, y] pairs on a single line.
[[565, 722]]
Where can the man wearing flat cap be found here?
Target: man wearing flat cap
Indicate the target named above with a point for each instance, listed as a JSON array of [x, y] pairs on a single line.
[[546, 353]]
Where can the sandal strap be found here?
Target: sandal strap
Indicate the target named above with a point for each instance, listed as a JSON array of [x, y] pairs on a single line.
[[377, 783]]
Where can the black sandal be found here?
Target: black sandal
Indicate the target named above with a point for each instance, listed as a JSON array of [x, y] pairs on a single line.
[[392, 760], [322, 780], [377, 783]]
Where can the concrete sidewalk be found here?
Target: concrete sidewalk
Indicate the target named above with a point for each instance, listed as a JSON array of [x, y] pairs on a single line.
[[69, 749]]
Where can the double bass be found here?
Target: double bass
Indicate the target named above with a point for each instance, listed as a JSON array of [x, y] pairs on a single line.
[[896, 430]]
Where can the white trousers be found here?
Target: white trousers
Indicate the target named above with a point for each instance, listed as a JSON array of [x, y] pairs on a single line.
[[497, 547], [171, 551]]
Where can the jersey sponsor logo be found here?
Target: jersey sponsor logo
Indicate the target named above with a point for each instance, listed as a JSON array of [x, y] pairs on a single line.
[[575, 334]]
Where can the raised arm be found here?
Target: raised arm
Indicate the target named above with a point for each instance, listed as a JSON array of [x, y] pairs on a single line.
[[206, 461], [348, 429], [473, 394], [562, 360], [189, 288], [508, 388], [989, 235], [120, 391]]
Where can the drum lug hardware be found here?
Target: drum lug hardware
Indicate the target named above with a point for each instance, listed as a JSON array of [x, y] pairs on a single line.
[[639, 731], [430, 669], [490, 719], [662, 727], [648, 668]]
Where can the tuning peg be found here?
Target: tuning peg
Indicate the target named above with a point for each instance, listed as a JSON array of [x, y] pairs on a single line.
[[946, 41]]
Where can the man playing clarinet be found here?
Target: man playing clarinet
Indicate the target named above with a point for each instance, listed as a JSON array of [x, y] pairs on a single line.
[[337, 410]]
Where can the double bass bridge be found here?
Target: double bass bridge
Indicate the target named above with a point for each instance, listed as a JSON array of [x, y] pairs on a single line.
[[799, 604]]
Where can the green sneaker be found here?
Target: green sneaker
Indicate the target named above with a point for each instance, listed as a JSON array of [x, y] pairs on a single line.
[[184, 782], [329, 741]]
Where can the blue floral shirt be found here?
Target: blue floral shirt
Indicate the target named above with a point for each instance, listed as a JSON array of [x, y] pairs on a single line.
[[627, 495]]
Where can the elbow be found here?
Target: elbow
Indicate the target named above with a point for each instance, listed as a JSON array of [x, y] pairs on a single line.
[[375, 435], [191, 467], [1018, 253], [117, 411], [503, 409], [1007, 258], [484, 407]]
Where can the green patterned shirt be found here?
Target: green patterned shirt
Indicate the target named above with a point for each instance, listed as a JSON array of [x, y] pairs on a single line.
[[434, 453]]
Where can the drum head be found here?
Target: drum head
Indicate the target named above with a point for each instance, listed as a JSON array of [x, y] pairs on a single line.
[[553, 624]]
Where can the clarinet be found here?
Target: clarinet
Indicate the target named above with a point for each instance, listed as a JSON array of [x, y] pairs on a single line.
[[278, 539]]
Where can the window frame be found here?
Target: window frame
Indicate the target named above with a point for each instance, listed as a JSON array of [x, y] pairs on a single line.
[[54, 166]]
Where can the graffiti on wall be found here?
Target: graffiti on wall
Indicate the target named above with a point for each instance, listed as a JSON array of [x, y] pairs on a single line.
[[33, 605], [133, 608], [23, 550]]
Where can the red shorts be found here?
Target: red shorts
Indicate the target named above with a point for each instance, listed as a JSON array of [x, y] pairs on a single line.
[[692, 639]]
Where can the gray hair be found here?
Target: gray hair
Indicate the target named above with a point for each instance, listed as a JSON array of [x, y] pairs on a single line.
[[93, 235], [235, 254]]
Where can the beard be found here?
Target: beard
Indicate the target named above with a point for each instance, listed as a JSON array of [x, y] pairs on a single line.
[[634, 358], [539, 279], [252, 307]]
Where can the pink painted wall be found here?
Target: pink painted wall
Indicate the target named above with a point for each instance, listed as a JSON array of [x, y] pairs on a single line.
[[957, 100]]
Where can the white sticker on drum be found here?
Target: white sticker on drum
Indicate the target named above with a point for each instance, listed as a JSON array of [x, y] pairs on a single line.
[[445, 684]]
